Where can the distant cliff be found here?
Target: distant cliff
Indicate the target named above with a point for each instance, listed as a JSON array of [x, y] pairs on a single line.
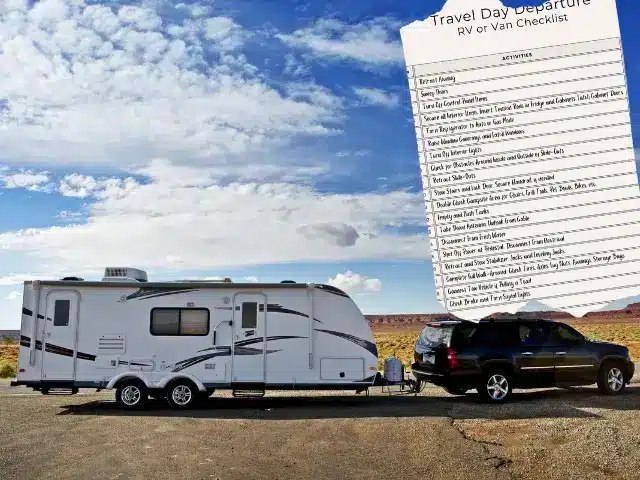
[[13, 334], [631, 313]]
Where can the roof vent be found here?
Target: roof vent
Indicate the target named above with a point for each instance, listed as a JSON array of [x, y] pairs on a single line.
[[73, 279], [124, 274]]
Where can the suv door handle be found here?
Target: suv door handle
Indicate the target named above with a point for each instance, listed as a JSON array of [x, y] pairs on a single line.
[[561, 353], [527, 353]]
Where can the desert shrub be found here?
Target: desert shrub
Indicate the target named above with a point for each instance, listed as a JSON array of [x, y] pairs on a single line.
[[7, 368]]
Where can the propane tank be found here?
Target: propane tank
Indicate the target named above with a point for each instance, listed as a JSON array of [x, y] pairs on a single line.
[[393, 370]]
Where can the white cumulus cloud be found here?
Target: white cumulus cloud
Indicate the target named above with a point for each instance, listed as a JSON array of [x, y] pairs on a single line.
[[25, 179], [375, 96], [355, 283], [95, 84], [175, 218], [369, 43]]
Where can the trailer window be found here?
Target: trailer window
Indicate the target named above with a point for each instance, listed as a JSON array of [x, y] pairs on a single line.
[[194, 322], [249, 314], [61, 313], [179, 321], [165, 322]]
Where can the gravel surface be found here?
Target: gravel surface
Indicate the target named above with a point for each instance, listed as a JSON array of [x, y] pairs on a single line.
[[550, 434]]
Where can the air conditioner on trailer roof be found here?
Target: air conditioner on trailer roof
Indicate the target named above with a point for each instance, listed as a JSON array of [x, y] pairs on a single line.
[[124, 274]]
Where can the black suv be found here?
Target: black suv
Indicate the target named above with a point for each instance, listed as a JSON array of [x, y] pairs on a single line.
[[495, 356]]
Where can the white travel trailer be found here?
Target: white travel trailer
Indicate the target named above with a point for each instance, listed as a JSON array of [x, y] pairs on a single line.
[[182, 340]]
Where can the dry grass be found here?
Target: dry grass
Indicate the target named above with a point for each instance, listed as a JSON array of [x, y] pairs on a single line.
[[8, 360]]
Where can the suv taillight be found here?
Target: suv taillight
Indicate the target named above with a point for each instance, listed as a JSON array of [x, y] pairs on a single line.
[[452, 359]]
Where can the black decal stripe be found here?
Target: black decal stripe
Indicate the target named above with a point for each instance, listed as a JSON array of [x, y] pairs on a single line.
[[250, 341], [334, 290], [29, 313], [251, 351], [369, 346], [276, 308], [166, 294], [124, 362], [56, 349], [144, 293], [86, 356], [181, 365], [238, 350]]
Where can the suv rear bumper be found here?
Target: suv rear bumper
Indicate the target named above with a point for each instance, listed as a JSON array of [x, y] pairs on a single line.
[[424, 375]]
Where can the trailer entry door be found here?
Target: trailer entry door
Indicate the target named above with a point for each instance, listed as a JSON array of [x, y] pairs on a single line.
[[60, 325], [249, 329]]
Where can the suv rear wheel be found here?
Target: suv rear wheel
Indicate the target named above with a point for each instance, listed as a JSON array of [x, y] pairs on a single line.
[[495, 386], [611, 379]]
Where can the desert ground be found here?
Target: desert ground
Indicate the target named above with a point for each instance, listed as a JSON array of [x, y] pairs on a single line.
[[542, 434], [548, 434]]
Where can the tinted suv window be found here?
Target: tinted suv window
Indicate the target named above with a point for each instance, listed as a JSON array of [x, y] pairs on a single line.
[[563, 335], [496, 335], [463, 335], [533, 333]]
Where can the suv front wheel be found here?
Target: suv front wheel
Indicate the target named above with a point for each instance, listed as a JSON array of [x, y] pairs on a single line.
[[494, 386], [611, 379]]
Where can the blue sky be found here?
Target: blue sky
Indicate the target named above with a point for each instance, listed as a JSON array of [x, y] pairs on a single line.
[[261, 140]]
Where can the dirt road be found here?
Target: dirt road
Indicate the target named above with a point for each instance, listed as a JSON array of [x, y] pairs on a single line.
[[554, 434]]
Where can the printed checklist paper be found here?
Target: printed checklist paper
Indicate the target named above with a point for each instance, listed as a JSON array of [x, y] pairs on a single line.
[[527, 160]]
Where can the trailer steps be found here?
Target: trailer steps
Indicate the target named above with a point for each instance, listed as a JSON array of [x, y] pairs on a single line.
[[245, 393], [59, 391]]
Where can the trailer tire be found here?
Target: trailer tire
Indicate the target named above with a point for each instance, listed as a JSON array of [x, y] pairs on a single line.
[[131, 394], [182, 394]]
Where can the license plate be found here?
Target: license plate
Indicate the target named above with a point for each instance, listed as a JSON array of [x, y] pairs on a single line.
[[429, 358]]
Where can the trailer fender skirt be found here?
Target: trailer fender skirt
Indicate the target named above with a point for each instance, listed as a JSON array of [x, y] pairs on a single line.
[[120, 376], [168, 378]]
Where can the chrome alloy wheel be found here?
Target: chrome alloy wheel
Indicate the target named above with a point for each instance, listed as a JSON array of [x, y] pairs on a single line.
[[615, 379], [497, 386], [131, 395], [181, 395]]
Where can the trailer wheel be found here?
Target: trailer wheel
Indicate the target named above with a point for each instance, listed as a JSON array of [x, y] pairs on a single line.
[[182, 394], [131, 394]]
